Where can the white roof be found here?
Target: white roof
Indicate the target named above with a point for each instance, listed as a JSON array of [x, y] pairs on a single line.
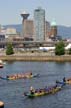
[[68, 46], [46, 48], [24, 12]]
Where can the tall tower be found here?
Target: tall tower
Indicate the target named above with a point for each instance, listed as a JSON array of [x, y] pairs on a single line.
[[53, 31], [39, 24], [24, 15]]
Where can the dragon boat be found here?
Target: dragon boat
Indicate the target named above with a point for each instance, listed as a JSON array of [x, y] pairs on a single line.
[[19, 76], [45, 91]]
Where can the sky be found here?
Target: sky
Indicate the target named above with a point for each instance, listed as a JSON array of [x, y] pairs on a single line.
[[60, 10]]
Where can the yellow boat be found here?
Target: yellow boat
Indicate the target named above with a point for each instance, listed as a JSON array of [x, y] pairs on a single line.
[[19, 76], [44, 91]]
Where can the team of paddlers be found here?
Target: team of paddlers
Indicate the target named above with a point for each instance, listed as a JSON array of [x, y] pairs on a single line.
[[19, 76], [46, 90]]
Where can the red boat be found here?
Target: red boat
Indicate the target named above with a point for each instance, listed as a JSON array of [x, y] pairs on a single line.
[[1, 66]]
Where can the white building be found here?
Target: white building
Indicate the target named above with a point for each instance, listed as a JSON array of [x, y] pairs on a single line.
[[46, 48], [68, 46]]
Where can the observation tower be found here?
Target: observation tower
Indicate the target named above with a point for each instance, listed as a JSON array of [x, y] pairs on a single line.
[[25, 16]]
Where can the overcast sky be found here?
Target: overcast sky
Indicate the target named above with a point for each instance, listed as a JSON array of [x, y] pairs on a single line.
[[60, 10]]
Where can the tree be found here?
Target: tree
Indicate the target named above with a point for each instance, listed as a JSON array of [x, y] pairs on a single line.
[[59, 49], [9, 49]]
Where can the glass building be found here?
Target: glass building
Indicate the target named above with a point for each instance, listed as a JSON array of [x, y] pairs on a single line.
[[39, 24]]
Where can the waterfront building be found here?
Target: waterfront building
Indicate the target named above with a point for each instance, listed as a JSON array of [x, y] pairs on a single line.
[[53, 31], [24, 15], [11, 30], [2, 39], [39, 24], [47, 30], [27, 27], [28, 30]]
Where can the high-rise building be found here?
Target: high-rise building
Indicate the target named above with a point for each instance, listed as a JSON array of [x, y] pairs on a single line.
[[39, 24]]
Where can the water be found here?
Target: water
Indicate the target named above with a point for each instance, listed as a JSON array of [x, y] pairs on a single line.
[[11, 92]]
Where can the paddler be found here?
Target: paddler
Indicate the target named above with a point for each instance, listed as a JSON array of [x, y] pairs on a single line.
[[64, 79], [32, 90]]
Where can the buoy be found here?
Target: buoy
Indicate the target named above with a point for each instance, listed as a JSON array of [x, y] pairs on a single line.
[[1, 104]]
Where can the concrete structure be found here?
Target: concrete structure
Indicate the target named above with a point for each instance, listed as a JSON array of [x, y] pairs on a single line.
[[53, 31], [39, 24], [47, 30], [24, 16], [28, 29]]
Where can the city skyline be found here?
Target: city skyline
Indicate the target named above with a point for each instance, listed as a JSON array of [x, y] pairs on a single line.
[[10, 10]]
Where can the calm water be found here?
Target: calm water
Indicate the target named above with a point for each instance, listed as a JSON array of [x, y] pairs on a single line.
[[11, 92]]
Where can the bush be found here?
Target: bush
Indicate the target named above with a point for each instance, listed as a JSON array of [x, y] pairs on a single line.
[[59, 49], [9, 49]]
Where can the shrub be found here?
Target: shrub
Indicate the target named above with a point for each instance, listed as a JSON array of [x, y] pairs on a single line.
[[9, 49], [59, 49]]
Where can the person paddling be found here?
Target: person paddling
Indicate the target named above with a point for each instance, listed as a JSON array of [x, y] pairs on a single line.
[[64, 79], [32, 90]]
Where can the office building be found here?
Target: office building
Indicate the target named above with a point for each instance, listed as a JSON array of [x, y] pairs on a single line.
[[39, 24]]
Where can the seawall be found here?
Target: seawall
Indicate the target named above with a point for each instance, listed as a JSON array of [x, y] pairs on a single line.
[[35, 58]]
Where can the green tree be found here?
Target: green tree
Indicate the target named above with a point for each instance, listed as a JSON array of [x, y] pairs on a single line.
[[59, 49], [9, 49]]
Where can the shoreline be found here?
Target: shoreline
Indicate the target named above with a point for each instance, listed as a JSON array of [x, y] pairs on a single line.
[[40, 58]]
